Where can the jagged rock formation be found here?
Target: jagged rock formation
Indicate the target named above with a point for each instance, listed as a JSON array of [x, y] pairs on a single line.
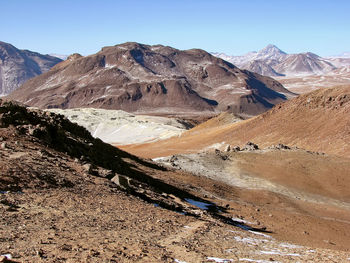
[[17, 66], [152, 79]]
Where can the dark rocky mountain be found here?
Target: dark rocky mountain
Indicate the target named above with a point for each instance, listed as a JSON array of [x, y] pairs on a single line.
[[17, 66], [152, 79], [271, 61]]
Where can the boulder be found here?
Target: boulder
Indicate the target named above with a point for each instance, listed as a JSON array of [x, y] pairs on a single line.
[[250, 147]]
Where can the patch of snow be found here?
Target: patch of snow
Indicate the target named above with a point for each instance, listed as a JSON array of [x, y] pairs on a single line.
[[8, 256], [161, 159], [286, 245], [256, 260], [259, 233], [219, 260], [249, 240], [179, 261], [278, 252], [26, 102], [199, 204], [270, 252], [292, 254], [110, 66], [241, 220]]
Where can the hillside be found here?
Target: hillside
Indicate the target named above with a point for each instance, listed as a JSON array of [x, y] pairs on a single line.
[[17, 66], [317, 121], [65, 196], [152, 80]]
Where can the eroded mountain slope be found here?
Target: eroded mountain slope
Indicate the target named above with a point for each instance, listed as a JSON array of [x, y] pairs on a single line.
[[152, 79]]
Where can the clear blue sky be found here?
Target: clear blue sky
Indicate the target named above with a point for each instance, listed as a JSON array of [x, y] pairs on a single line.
[[233, 27]]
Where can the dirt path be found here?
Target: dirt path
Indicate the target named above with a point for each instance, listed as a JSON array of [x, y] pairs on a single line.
[[174, 243]]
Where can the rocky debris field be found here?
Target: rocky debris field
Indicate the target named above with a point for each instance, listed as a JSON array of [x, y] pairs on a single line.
[[67, 197]]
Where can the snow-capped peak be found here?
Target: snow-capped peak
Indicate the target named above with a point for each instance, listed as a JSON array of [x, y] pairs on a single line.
[[271, 52]]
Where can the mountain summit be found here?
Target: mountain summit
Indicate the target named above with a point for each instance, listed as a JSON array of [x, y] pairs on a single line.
[[152, 79], [270, 52]]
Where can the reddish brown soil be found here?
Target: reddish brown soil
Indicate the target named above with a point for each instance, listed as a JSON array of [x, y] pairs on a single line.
[[89, 220], [55, 207], [317, 121]]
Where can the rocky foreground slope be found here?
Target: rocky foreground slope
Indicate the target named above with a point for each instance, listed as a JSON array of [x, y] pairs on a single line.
[[152, 79], [67, 197], [17, 66]]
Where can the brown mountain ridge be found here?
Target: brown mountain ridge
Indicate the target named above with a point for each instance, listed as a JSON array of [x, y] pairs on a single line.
[[152, 79]]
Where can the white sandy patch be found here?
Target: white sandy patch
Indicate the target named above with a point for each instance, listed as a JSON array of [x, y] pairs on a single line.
[[119, 127]]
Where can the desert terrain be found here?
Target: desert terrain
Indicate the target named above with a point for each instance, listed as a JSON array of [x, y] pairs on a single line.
[[165, 183], [174, 131], [68, 197]]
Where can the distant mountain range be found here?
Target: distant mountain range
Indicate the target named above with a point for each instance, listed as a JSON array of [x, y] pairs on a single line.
[[342, 55], [17, 66], [152, 79], [271, 61], [60, 56]]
